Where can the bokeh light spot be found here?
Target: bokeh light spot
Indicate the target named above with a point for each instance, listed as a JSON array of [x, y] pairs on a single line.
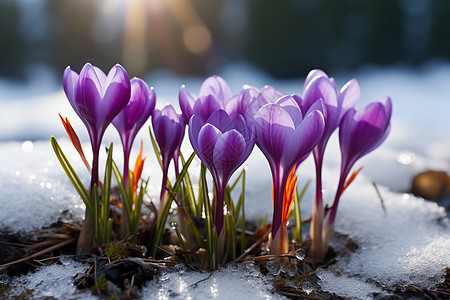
[[197, 39]]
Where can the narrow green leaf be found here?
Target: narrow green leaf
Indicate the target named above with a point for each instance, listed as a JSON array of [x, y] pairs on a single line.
[[237, 179], [189, 191], [298, 218], [125, 200], [240, 204], [108, 232], [231, 236], [242, 236], [76, 182], [265, 219], [165, 212], [212, 247], [182, 244], [155, 147], [106, 195]]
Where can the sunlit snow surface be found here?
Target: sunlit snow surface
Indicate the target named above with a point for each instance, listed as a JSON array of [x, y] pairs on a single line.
[[230, 282], [409, 243]]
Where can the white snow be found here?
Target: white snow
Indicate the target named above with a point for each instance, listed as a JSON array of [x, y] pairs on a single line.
[[410, 243], [230, 282], [53, 281]]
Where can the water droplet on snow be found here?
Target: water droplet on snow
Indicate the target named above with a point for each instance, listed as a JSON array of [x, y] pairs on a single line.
[[300, 254], [291, 270], [173, 225], [144, 250], [251, 270], [233, 267], [65, 260], [307, 287], [273, 267]]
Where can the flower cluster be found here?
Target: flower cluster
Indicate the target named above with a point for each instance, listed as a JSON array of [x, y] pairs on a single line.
[[223, 129]]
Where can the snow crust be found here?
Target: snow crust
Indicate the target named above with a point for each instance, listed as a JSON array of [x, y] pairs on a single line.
[[409, 243], [34, 189], [53, 281], [230, 282]]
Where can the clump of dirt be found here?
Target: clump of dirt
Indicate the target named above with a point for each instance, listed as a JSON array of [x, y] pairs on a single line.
[[431, 185]]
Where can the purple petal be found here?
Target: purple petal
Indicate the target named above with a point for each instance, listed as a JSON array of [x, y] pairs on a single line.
[[138, 110], [318, 105], [187, 101], [363, 130], [275, 114], [221, 120], [238, 104], [386, 101], [207, 139], [274, 129], [349, 96], [321, 88], [291, 106], [270, 94], [312, 75], [217, 87], [374, 114], [172, 114], [88, 96], [195, 125], [168, 127], [117, 93], [205, 106], [306, 137], [70, 80], [299, 102], [228, 152]]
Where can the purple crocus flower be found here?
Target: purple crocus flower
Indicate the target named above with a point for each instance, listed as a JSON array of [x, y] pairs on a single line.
[[319, 86], [285, 134], [168, 127], [132, 117], [361, 131], [97, 99], [214, 94], [223, 143]]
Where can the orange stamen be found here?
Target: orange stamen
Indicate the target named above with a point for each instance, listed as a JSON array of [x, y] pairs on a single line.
[[288, 198], [138, 167], [350, 180]]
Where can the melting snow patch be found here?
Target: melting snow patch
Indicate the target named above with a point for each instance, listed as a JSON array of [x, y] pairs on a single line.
[[53, 281], [33, 183], [231, 282], [348, 287], [407, 244]]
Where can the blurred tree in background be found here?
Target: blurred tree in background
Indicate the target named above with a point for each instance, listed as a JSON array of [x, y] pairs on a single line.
[[11, 44], [286, 38]]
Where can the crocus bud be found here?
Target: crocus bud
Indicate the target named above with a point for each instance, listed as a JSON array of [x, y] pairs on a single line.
[[285, 134], [168, 127], [130, 120], [222, 143]]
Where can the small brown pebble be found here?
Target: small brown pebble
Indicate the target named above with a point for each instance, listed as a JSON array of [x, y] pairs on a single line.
[[432, 185]]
